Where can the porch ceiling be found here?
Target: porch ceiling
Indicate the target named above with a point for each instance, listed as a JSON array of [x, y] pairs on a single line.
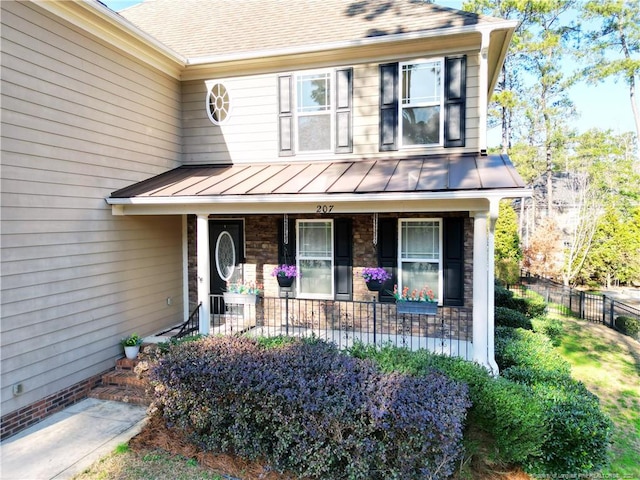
[[441, 173]]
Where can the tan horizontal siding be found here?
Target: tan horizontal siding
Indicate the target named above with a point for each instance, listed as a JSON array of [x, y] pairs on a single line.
[[250, 133], [79, 120]]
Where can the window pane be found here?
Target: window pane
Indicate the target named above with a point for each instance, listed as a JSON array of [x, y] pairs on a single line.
[[314, 93], [315, 277], [421, 83], [314, 133], [420, 125], [417, 275], [315, 240], [420, 240]]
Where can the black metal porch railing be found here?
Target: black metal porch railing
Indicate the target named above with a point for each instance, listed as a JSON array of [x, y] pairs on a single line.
[[587, 306], [345, 322]]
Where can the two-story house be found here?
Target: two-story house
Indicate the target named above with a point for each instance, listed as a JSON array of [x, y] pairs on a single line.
[[152, 156]]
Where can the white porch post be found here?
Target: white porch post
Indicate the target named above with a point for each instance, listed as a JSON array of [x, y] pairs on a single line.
[[483, 342], [202, 248]]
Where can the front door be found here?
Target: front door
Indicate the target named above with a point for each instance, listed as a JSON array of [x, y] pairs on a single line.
[[226, 253]]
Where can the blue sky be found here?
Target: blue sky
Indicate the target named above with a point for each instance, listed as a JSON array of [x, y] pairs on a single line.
[[604, 106]]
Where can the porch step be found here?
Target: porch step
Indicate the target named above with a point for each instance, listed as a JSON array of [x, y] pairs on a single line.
[[123, 385]]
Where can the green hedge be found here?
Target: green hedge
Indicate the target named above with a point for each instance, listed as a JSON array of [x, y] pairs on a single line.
[[577, 431], [629, 326]]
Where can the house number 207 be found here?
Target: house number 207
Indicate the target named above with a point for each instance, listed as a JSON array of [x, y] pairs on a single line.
[[324, 208]]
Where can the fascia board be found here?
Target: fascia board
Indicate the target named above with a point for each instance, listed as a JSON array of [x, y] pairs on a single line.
[[360, 203]]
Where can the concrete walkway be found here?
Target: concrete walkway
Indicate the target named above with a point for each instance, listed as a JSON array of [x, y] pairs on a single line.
[[66, 443]]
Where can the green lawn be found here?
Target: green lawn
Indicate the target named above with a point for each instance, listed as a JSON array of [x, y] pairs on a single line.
[[608, 363]]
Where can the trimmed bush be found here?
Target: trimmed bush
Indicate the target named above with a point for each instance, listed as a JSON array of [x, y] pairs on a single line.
[[579, 432], [551, 327], [505, 317], [629, 326], [532, 306], [503, 409], [527, 349], [306, 408]]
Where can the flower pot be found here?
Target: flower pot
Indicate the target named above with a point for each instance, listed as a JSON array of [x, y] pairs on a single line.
[[132, 352], [374, 285], [240, 298], [285, 281], [417, 308]]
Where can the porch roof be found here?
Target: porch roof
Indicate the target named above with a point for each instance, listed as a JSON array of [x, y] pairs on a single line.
[[440, 173]]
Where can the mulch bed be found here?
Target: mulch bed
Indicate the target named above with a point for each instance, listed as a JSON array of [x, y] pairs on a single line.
[[155, 435]]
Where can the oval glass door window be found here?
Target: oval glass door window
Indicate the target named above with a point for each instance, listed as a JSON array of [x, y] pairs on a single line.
[[225, 256]]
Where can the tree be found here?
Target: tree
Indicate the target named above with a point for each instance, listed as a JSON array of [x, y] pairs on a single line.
[[615, 255], [507, 245], [543, 255], [613, 45]]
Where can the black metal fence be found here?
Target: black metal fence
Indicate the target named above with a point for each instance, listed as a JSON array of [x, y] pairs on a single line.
[[448, 332], [588, 306]]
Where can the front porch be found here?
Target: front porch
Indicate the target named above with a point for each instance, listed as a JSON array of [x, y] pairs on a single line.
[[448, 332]]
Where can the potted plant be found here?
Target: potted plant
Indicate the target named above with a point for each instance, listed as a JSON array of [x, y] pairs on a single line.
[[285, 274], [242, 293], [417, 301], [375, 277], [131, 345]]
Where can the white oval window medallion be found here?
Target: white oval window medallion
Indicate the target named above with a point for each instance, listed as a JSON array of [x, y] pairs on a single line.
[[225, 256]]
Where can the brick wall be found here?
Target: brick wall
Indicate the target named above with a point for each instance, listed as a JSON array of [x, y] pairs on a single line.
[[24, 417], [261, 251]]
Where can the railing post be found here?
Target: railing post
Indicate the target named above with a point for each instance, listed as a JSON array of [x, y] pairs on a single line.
[[582, 306], [286, 312], [374, 320], [612, 313]]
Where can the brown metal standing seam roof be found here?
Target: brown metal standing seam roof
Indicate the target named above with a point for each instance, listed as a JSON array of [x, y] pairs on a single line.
[[422, 174]]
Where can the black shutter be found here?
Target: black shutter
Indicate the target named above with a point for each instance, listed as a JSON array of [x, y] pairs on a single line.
[[455, 81], [453, 238], [344, 100], [388, 255], [343, 259], [388, 107], [287, 252], [285, 115]]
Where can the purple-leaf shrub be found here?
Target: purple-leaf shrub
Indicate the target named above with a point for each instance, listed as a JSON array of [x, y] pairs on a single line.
[[305, 407]]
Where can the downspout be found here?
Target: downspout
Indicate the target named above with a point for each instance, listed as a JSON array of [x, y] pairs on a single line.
[[483, 94]]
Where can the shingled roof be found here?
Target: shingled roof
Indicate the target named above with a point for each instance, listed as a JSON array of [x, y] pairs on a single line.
[[201, 28]]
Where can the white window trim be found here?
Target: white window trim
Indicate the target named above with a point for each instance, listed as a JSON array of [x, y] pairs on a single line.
[[312, 296], [424, 104], [401, 221], [331, 112], [210, 84]]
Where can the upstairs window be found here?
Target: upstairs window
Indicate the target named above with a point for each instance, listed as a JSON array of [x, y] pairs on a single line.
[[421, 103], [314, 112], [218, 103]]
